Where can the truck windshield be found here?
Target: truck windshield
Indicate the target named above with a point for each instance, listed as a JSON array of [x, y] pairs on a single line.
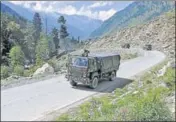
[[80, 61]]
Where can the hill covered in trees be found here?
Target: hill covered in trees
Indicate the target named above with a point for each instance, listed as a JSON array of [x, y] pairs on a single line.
[[24, 42]]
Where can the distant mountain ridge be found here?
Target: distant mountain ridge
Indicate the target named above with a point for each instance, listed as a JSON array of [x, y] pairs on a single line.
[[15, 16], [136, 13], [74, 22], [6, 9]]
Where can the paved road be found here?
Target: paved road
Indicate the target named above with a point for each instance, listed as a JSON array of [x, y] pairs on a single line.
[[32, 101]]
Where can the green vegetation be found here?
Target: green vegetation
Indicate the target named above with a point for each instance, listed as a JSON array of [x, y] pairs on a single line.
[[16, 56], [169, 78], [63, 28], [171, 13], [55, 35], [25, 43], [142, 103], [55, 64], [4, 71], [19, 70], [42, 50], [29, 72]]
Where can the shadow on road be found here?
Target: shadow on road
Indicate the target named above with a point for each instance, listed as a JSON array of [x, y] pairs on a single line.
[[106, 86]]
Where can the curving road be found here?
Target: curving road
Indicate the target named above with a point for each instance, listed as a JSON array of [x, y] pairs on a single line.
[[32, 101]]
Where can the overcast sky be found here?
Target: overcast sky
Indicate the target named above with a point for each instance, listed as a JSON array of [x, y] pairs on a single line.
[[101, 10]]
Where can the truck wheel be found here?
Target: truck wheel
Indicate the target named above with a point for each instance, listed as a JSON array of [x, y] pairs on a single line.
[[73, 83], [94, 83], [112, 76]]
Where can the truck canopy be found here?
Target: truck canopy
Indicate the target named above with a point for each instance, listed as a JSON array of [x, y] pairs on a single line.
[[103, 54], [110, 61], [97, 54]]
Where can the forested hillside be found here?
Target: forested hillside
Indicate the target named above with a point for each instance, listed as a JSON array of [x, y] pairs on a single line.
[[24, 42], [135, 14]]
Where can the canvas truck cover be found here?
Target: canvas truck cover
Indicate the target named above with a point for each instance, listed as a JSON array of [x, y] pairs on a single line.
[[109, 60]]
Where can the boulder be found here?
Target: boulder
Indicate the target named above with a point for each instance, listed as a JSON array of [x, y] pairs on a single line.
[[45, 69]]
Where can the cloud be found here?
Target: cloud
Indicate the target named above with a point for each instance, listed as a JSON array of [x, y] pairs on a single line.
[[103, 15], [69, 9], [100, 4]]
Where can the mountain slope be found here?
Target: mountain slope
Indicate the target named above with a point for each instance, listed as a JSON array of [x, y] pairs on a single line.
[[14, 16], [159, 32], [134, 14], [74, 22], [6, 9]]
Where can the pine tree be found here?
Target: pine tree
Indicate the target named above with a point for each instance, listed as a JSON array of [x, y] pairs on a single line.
[[37, 28], [37, 25], [5, 35], [55, 38], [63, 28], [42, 50]]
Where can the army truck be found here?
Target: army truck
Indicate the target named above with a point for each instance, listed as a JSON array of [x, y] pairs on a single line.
[[127, 45], [147, 47], [90, 68]]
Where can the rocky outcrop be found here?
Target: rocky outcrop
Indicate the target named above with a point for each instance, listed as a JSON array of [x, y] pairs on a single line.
[[45, 69]]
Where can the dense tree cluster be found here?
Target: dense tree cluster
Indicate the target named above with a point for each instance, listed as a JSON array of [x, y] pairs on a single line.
[[24, 42]]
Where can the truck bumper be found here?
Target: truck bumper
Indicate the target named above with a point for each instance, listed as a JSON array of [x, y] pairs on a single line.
[[83, 80]]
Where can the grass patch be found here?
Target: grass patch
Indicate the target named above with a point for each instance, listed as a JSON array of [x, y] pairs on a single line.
[[145, 103]]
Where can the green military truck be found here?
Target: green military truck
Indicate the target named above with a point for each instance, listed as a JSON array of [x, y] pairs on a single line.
[[88, 68]]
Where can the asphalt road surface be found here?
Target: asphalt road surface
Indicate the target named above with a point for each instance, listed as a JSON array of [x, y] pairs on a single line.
[[32, 101]]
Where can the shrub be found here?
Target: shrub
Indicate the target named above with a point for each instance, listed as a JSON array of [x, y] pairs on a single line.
[[137, 107], [19, 70], [4, 71], [27, 73], [170, 13], [63, 117], [54, 63], [169, 78], [31, 71], [149, 107], [16, 56]]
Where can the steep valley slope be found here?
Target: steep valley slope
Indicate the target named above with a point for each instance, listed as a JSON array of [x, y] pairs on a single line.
[[136, 13], [159, 32]]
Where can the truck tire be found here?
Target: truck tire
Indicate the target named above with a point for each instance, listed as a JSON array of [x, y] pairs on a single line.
[[73, 83], [112, 76], [94, 83]]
